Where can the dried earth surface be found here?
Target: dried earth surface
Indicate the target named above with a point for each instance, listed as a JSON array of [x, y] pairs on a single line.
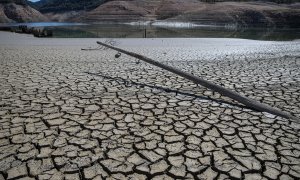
[[72, 114]]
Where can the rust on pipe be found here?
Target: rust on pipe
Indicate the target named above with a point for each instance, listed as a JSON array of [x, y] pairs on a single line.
[[217, 88]]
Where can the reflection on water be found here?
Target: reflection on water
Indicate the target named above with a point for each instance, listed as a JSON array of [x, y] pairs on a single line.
[[41, 24], [127, 31], [70, 30]]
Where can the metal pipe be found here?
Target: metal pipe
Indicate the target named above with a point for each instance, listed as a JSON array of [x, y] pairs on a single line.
[[217, 88]]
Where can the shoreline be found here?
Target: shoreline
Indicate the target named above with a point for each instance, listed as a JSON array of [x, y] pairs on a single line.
[[132, 31], [216, 46]]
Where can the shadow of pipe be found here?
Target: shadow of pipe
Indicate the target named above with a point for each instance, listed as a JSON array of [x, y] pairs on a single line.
[[129, 83]]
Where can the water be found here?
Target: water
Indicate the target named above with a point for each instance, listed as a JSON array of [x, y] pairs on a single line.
[[41, 24], [80, 30]]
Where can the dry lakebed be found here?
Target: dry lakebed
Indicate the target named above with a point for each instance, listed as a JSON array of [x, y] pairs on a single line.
[[72, 114]]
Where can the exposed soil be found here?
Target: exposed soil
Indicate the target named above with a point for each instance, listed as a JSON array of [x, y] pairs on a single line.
[[12, 12], [71, 114], [244, 13]]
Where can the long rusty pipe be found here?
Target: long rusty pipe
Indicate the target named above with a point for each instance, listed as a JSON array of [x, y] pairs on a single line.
[[217, 88]]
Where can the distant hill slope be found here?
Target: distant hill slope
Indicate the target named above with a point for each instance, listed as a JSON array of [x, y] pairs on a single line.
[[18, 11], [58, 6], [256, 13], [130, 10], [20, 2], [242, 13], [65, 10], [245, 14]]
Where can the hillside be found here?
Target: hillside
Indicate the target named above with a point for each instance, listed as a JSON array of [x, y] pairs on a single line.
[[94, 11], [20, 2], [242, 13], [18, 11], [132, 10], [58, 6]]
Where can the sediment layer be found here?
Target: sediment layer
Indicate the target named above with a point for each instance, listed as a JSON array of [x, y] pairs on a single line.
[[74, 114]]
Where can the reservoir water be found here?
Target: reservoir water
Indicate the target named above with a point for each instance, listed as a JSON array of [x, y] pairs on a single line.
[[81, 30]]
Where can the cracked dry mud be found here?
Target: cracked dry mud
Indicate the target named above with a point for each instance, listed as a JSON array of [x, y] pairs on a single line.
[[71, 114]]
